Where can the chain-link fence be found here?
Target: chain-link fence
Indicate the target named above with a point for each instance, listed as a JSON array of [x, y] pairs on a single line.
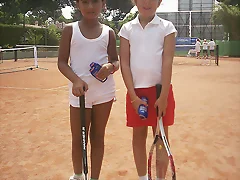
[[194, 19]]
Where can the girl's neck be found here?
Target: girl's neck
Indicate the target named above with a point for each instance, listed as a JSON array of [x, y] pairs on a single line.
[[145, 20], [90, 22]]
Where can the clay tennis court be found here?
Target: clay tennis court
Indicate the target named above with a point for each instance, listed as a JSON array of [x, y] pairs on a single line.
[[35, 139]]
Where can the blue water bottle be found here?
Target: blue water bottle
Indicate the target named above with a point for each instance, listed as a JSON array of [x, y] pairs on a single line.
[[94, 68], [143, 110]]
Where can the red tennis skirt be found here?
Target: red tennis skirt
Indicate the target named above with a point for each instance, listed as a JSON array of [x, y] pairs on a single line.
[[133, 119]]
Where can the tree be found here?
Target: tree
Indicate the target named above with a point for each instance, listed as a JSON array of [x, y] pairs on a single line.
[[119, 8], [229, 17], [230, 2], [33, 38], [43, 9], [63, 19], [128, 18]]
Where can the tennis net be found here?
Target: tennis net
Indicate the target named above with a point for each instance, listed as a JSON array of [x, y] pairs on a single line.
[[45, 53], [189, 51], [9, 58]]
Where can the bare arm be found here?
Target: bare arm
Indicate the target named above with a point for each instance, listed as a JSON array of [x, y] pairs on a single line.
[[168, 54], [112, 51], [127, 74], [63, 54], [113, 63], [64, 68], [125, 67]]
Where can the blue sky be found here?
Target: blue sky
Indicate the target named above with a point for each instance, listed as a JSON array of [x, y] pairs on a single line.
[[166, 6]]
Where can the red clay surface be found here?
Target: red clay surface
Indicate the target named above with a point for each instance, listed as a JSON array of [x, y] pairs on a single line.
[[35, 139]]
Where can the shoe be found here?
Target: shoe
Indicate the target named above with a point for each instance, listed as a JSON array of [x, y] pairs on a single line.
[[75, 177]]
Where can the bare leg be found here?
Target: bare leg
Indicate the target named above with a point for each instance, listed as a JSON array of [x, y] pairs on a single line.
[[139, 149], [97, 132], [76, 137]]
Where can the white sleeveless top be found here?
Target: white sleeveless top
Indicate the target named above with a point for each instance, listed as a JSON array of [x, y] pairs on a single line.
[[84, 51]]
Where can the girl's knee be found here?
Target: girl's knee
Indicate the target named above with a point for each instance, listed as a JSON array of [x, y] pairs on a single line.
[[97, 144], [139, 135], [97, 139], [140, 132]]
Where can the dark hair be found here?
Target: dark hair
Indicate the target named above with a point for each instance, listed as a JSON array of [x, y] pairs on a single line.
[[211, 39]]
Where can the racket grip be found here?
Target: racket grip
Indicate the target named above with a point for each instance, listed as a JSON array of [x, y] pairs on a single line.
[[83, 130], [82, 103], [158, 92], [82, 107]]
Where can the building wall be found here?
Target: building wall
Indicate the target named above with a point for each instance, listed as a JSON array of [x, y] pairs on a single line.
[[194, 24], [195, 5]]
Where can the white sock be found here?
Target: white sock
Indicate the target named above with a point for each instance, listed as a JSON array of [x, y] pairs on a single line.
[[77, 175], [160, 179], [143, 177]]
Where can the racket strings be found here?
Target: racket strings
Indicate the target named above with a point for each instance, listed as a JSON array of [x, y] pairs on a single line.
[[160, 165], [162, 162]]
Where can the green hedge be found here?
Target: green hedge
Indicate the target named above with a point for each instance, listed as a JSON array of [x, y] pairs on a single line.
[[229, 48], [10, 35]]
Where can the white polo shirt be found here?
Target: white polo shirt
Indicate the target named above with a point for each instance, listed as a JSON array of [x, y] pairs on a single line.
[[205, 45], [211, 45], [198, 46], [146, 48]]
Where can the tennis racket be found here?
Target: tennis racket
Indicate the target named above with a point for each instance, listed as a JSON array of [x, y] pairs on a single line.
[[84, 134], [153, 160]]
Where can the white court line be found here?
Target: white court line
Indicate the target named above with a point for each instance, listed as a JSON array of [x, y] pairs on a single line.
[[183, 70], [21, 88], [50, 89], [58, 87], [179, 71]]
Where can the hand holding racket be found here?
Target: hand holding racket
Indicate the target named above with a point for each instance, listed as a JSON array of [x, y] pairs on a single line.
[[161, 105], [79, 87]]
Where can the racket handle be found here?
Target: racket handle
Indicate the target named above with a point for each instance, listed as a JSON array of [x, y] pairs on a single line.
[[158, 90], [82, 108], [84, 133]]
